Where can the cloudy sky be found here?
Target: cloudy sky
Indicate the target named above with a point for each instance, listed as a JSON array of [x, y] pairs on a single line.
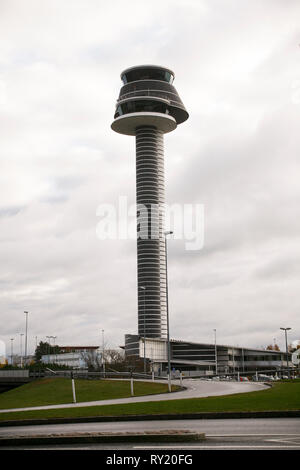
[[237, 66]]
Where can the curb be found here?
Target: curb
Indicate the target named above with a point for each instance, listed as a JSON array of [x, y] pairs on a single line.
[[163, 436], [205, 415]]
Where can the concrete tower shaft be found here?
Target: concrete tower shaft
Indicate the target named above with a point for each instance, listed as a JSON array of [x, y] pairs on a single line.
[[148, 107], [151, 261]]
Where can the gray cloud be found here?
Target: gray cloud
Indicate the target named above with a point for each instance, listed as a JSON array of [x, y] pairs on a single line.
[[236, 69]]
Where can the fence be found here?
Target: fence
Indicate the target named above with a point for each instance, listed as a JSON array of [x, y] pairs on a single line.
[[14, 374]]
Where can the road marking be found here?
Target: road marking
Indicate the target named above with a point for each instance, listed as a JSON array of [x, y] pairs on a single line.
[[288, 441], [251, 435]]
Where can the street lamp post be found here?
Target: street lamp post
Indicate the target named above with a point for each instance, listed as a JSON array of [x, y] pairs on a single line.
[[11, 349], [243, 359], [103, 360], [168, 323], [143, 288], [54, 342], [233, 362], [21, 348], [286, 349], [49, 347], [26, 331], [216, 357]]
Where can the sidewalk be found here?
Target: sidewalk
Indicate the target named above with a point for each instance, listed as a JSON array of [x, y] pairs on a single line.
[[193, 389]]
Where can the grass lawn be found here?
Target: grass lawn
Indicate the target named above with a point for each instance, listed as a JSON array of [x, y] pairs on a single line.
[[53, 391], [281, 396]]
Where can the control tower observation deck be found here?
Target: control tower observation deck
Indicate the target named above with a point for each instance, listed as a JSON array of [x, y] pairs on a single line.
[[149, 107]]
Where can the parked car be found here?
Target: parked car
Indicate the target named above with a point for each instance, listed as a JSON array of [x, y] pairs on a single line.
[[266, 378]]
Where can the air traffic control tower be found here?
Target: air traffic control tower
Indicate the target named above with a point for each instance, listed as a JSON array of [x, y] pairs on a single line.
[[149, 107]]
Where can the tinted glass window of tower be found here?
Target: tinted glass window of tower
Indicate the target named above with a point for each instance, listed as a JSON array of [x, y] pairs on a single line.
[[147, 74], [140, 106]]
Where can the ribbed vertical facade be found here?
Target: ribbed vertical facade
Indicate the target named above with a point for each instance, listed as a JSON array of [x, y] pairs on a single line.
[[151, 261]]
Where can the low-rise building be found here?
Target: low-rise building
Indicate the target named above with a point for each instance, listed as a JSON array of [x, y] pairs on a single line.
[[296, 357], [76, 357], [205, 358]]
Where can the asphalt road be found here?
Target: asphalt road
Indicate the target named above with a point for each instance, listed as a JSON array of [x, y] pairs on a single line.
[[194, 389], [270, 433]]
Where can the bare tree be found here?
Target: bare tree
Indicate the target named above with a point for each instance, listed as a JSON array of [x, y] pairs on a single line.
[[272, 347], [93, 361], [114, 356]]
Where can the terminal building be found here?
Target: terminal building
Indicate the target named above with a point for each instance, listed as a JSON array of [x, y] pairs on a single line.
[[205, 359]]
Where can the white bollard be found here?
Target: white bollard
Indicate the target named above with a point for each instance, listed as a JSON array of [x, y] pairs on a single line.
[[153, 376], [131, 386], [180, 376], [74, 391], [169, 382]]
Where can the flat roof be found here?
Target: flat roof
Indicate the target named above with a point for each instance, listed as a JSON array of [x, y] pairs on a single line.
[[147, 66], [227, 346]]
